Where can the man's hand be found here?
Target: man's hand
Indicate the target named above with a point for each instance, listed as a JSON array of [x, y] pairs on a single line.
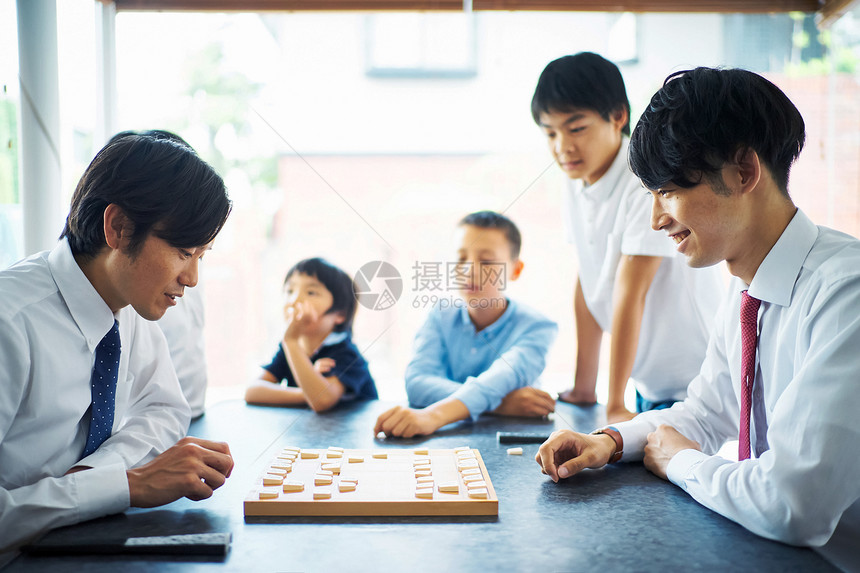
[[406, 422], [526, 401], [663, 444], [193, 468], [619, 414], [566, 453]]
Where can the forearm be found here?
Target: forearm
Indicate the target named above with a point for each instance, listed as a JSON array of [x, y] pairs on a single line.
[[264, 392], [424, 388], [588, 338], [447, 412], [319, 393], [626, 323]]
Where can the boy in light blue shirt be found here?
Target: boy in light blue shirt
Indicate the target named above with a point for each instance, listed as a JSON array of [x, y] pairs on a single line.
[[483, 353]]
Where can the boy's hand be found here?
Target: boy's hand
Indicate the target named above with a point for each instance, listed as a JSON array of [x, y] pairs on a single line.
[[406, 422], [193, 468], [324, 365], [526, 401], [663, 444], [619, 414], [298, 317], [567, 452]]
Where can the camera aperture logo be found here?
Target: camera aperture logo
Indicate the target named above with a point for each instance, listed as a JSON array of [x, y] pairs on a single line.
[[378, 285]]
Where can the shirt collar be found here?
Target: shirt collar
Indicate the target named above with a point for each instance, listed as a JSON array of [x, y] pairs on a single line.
[[609, 181], [88, 309], [774, 280], [334, 338]]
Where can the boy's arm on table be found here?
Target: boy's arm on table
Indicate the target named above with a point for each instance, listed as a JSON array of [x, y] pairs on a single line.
[[516, 367], [267, 389], [426, 380], [633, 279], [588, 338]]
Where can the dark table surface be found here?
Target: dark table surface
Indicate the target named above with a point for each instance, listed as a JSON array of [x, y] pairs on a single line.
[[619, 518]]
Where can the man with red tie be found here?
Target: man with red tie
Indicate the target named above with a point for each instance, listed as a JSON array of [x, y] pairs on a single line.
[[782, 370]]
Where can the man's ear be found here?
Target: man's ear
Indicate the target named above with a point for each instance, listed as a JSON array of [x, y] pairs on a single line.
[[517, 269], [339, 317], [748, 169], [118, 227]]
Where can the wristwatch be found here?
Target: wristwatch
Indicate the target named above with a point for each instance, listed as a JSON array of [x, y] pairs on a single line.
[[613, 433]]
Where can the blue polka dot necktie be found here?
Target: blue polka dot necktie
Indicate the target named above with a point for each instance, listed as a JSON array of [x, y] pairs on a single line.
[[103, 387]]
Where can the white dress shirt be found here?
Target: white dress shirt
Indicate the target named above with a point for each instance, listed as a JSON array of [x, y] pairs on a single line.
[[612, 218], [182, 326], [804, 430], [51, 320]]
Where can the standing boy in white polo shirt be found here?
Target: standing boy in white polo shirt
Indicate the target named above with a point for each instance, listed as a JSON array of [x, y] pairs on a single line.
[[629, 281]]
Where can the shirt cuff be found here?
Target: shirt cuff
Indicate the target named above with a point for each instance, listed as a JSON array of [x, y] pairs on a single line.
[[101, 491], [473, 398], [682, 464], [635, 436]]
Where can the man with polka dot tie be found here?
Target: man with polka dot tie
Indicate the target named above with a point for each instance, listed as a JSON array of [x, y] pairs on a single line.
[[714, 149], [92, 417]]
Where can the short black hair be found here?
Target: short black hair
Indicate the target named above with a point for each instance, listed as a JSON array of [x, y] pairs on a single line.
[[701, 118], [581, 81], [338, 283], [162, 186], [493, 220]]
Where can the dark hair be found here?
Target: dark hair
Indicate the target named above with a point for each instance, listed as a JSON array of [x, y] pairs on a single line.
[[581, 81], [493, 220], [338, 283], [701, 118], [161, 185]]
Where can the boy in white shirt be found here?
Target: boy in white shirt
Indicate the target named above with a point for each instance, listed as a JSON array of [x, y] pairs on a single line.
[[90, 406], [658, 310]]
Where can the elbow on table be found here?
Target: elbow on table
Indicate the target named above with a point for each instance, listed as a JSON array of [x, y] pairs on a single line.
[[804, 528]]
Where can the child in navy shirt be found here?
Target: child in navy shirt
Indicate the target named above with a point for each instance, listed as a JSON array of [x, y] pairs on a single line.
[[316, 363]]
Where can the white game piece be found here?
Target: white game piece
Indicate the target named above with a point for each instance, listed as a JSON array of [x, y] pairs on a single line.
[[472, 478], [290, 456], [356, 459], [322, 472], [421, 452], [471, 471], [322, 493], [424, 479], [269, 493], [461, 449], [380, 455], [322, 480], [293, 486], [333, 468], [276, 471], [270, 479], [346, 486], [349, 480], [282, 465], [309, 454], [421, 462], [480, 493], [335, 449], [291, 449], [423, 473], [466, 464], [449, 487], [515, 451], [333, 454], [466, 455], [424, 492], [476, 485]]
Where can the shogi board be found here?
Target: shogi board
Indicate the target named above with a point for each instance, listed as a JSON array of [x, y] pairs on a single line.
[[385, 487]]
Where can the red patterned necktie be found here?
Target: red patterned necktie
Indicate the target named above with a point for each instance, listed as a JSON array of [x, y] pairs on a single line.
[[749, 323]]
